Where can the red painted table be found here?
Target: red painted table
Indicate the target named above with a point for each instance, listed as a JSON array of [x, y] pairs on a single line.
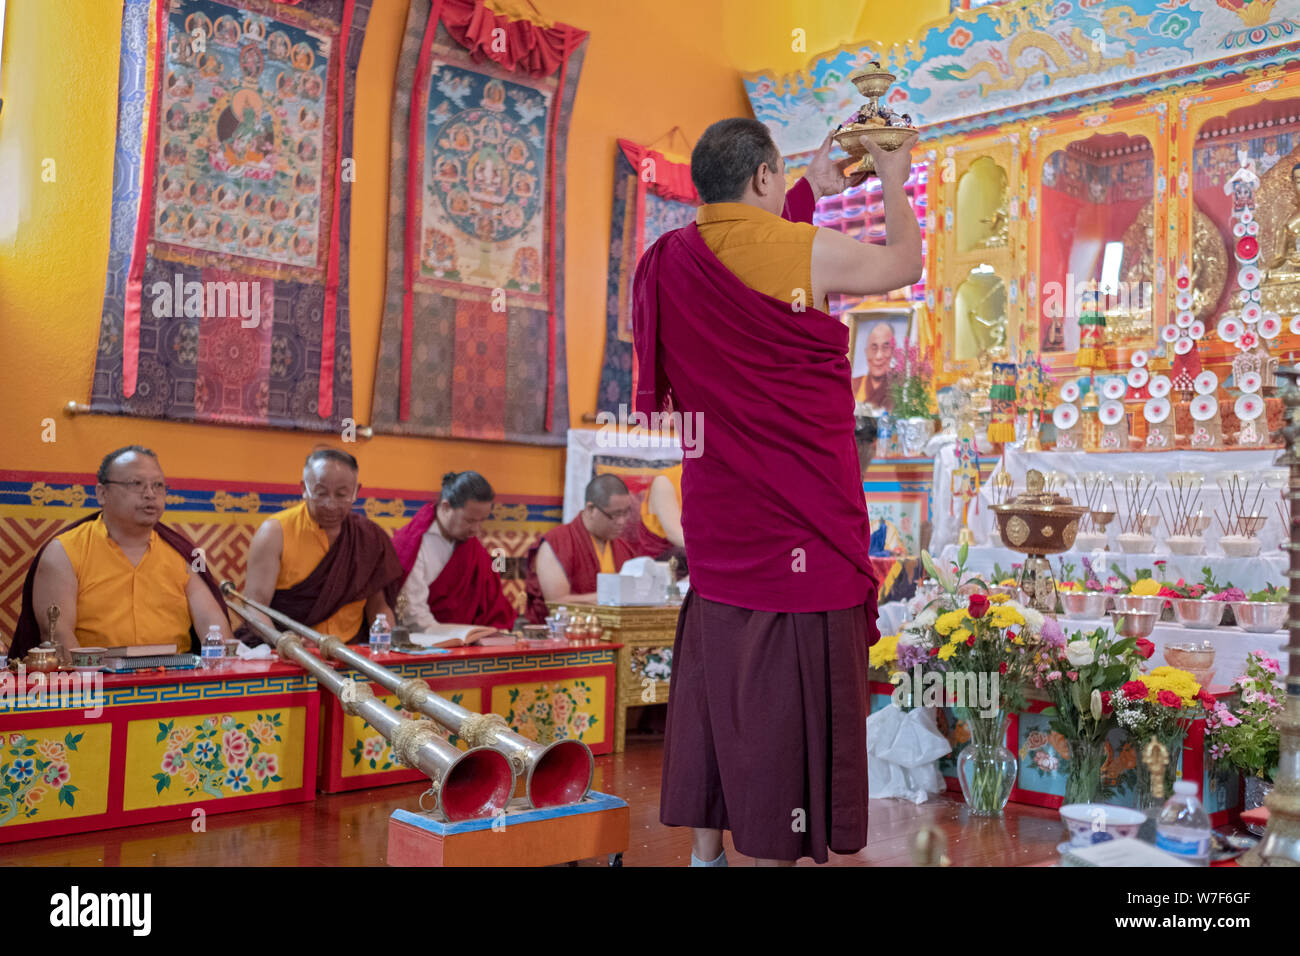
[[127, 749]]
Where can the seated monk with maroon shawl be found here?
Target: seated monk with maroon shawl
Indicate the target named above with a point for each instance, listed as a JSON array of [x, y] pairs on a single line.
[[119, 576], [321, 563], [767, 714], [449, 574], [659, 535], [562, 567]]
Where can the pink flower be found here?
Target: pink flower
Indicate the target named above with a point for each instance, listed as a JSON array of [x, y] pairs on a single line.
[[57, 774], [580, 723], [1073, 675], [172, 762], [374, 748], [1268, 664], [265, 765], [1228, 719], [234, 747], [1054, 675], [1270, 701]]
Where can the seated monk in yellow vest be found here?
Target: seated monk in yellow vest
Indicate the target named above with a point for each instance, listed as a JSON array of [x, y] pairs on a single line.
[[660, 533], [564, 564], [320, 562], [120, 576]]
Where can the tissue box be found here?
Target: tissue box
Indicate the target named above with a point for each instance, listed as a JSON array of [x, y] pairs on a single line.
[[646, 588]]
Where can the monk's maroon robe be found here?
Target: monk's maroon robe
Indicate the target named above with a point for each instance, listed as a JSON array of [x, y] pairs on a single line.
[[577, 555], [766, 718], [467, 590]]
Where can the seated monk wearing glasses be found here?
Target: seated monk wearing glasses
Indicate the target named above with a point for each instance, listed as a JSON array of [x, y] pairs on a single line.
[[119, 576], [563, 566], [321, 563]]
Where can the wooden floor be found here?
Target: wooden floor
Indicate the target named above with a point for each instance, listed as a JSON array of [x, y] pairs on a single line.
[[351, 829]]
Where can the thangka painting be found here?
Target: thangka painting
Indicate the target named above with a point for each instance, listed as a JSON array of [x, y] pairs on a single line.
[[652, 195], [227, 291], [472, 344], [993, 60]]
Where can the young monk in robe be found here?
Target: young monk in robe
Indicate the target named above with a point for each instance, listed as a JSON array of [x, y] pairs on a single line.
[[321, 563], [120, 576], [766, 729], [563, 565], [660, 533], [449, 574]]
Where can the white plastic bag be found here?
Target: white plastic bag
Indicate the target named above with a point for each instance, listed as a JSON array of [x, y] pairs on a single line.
[[903, 750]]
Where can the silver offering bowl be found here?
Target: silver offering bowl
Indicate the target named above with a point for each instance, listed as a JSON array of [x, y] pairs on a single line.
[[1198, 613], [1102, 518], [1260, 617], [1251, 524], [1134, 623], [1089, 605], [1197, 525], [1146, 523], [1139, 604]]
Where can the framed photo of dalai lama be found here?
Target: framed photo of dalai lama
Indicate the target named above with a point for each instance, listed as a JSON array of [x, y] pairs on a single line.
[[873, 336]]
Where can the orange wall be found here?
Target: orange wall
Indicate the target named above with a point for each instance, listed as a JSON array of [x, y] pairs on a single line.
[[648, 67]]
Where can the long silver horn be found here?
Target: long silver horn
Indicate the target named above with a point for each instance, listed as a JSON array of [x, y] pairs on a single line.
[[469, 784], [555, 775]]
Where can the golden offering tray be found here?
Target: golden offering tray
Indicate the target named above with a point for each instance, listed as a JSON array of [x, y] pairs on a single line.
[[871, 83]]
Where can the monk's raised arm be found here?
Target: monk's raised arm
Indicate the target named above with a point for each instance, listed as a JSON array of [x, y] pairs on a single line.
[[264, 562], [844, 265], [204, 609], [664, 504], [553, 579], [56, 583]]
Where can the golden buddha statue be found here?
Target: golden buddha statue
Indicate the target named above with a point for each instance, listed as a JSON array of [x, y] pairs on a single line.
[[998, 224], [1278, 209]]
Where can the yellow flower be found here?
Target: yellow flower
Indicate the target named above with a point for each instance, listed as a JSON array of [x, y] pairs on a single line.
[[946, 622], [1145, 588], [1000, 598], [959, 636], [1005, 617], [884, 651], [947, 651], [1174, 679]]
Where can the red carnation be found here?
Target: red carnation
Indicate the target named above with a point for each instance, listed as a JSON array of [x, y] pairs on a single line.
[[1168, 698], [979, 606], [1105, 702], [934, 651], [1135, 690], [970, 641], [1207, 699], [1145, 648], [1002, 668]]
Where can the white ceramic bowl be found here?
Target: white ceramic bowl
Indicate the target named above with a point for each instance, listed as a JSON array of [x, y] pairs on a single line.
[[1087, 820], [1089, 605], [1260, 617], [1198, 613]]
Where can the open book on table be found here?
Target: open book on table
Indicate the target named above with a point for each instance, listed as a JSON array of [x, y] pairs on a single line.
[[460, 635]]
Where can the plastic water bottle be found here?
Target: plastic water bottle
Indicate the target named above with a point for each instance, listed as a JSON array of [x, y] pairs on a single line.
[[381, 636], [1183, 828], [213, 648]]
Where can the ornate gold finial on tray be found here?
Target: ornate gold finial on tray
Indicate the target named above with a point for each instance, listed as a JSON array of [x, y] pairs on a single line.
[[1155, 757]]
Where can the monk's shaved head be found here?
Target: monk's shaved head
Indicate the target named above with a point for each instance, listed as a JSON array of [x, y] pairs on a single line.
[[331, 454], [727, 156], [604, 487]]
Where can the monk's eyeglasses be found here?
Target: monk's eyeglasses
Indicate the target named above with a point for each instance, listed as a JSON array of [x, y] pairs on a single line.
[[136, 486], [618, 516]]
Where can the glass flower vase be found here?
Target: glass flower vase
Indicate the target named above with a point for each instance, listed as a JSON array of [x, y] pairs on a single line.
[[1083, 781], [986, 769], [1146, 798]]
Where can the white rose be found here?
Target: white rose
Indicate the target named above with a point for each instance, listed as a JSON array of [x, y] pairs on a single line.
[[926, 619], [1079, 653]]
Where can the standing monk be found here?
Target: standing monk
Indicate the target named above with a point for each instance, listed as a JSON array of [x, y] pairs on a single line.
[[766, 732], [319, 562], [563, 566], [449, 574], [120, 576]]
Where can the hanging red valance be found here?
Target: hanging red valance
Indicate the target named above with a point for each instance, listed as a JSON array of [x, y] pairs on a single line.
[[671, 180], [536, 50]]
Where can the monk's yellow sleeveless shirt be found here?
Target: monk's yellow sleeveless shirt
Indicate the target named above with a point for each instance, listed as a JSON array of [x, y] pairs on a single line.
[[648, 517], [769, 254], [121, 605], [305, 546]]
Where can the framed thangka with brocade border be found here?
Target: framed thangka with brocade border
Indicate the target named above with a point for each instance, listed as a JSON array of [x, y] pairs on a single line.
[[227, 291]]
